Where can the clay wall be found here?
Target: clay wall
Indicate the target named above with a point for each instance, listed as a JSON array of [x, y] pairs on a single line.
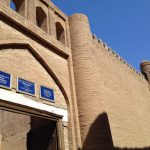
[[113, 98], [112, 106], [126, 97]]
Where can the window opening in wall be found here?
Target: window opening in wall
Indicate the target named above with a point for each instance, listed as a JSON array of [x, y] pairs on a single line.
[[12, 5], [145, 75], [60, 32], [41, 18], [18, 6]]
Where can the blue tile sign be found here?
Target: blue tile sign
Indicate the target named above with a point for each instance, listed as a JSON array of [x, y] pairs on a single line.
[[47, 93], [5, 80], [25, 86]]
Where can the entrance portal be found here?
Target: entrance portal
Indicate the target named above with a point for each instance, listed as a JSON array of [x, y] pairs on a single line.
[[24, 132]]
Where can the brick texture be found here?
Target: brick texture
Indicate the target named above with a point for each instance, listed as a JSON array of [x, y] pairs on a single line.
[[86, 75], [113, 99], [107, 100]]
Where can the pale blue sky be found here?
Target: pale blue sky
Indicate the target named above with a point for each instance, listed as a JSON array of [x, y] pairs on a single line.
[[123, 24]]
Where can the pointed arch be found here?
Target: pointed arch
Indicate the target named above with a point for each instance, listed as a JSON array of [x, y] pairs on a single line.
[[41, 18], [18, 6], [32, 50], [60, 32]]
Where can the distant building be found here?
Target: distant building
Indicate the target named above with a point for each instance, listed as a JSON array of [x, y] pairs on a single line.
[[63, 89]]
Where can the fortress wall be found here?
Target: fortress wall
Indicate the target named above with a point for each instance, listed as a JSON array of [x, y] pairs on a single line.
[[113, 98], [126, 98]]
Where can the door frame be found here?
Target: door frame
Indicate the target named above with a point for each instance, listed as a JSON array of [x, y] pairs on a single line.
[[21, 109]]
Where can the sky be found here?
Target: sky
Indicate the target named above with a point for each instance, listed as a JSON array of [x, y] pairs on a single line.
[[123, 24]]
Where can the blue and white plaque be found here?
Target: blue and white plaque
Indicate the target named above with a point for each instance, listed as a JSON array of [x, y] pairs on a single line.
[[46, 93], [5, 80], [26, 87]]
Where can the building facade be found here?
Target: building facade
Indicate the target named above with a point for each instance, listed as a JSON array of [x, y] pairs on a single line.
[[63, 89]]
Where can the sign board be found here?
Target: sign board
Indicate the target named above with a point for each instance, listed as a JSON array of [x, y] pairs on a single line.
[[46, 93], [26, 87], [5, 80]]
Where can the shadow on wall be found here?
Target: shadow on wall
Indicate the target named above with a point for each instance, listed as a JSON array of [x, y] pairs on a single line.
[[100, 138]]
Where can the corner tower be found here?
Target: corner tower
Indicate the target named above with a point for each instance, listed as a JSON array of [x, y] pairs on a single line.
[[86, 78], [145, 69]]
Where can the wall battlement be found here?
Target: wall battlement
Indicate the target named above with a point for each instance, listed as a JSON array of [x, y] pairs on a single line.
[[99, 42]]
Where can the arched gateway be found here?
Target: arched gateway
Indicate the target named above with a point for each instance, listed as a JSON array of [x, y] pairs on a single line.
[[31, 114], [61, 88], [36, 101]]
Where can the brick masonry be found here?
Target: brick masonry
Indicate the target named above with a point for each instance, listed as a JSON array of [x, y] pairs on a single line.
[[109, 92], [107, 100]]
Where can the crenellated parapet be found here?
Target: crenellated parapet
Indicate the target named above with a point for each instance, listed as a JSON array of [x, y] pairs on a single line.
[[108, 49]]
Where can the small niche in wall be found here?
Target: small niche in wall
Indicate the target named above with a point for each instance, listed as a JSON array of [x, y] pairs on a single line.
[[12, 5], [18, 6], [60, 32], [41, 18]]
